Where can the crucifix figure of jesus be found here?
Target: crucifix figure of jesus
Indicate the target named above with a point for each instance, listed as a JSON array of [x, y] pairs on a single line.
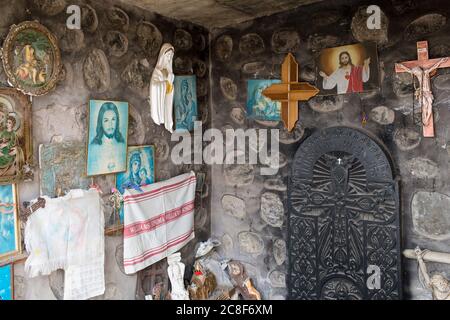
[[423, 70]]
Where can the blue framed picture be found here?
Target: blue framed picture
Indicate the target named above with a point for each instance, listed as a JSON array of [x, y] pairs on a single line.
[[6, 282], [185, 102], [260, 107], [140, 170], [9, 223], [108, 134]]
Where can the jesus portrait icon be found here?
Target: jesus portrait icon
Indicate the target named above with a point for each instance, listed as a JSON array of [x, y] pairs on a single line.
[[347, 69], [107, 148]]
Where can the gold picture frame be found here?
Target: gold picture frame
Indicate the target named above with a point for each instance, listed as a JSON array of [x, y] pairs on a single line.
[[15, 108], [5, 226], [31, 58]]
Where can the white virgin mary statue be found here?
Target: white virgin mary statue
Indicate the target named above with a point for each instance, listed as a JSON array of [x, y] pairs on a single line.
[[161, 88]]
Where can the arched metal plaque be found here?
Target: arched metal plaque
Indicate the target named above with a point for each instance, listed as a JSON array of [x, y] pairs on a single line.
[[344, 224]]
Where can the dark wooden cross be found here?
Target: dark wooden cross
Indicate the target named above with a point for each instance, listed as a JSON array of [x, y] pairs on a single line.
[[290, 92], [423, 69]]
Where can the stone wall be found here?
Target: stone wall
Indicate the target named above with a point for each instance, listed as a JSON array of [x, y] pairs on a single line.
[[111, 58], [243, 200]]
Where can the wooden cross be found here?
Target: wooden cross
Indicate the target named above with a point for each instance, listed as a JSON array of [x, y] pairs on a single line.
[[423, 68], [290, 91]]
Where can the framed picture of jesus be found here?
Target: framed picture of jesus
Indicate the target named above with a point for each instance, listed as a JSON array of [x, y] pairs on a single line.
[[348, 69]]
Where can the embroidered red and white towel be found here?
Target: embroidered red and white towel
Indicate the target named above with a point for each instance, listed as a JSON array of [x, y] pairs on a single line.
[[158, 221], [69, 234]]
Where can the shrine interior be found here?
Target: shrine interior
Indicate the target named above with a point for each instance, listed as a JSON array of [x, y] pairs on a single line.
[[225, 150]]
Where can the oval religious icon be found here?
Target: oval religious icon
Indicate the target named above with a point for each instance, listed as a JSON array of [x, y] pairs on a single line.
[[31, 58]]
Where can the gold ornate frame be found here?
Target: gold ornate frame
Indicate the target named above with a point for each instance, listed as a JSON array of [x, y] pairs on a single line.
[[21, 101], [8, 47]]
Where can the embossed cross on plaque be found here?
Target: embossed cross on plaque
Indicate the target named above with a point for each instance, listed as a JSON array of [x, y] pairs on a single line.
[[290, 91], [343, 218], [423, 69]]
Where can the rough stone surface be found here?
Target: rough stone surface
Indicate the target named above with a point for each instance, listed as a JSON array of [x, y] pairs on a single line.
[[275, 184], [279, 251], [116, 43], [149, 38], [272, 209], [50, 7], [253, 67], [136, 128], [118, 19], [277, 279], [224, 48], [182, 40], [324, 104], [317, 42], [430, 214], [62, 115], [286, 137], [285, 40], [200, 68], [70, 40], [317, 26], [325, 17], [89, 18], [382, 115], [200, 218], [250, 243], [422, 168], [162, 148], [227, 243], [426, 24], [238, 115], [407, 139], [229, 88], [136, 75], [362, 33], [96, 70], [442, 82], [239, 175], [234, 206], [182, 65], [271, 161], [251, 44]]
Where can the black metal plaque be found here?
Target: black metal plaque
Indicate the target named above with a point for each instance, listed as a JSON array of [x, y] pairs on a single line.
[[344, 224]]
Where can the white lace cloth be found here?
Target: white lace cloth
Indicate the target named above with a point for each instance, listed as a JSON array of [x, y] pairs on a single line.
[[69, 234]]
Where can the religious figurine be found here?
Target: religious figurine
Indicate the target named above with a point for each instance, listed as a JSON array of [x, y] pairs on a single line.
[[423, 69], [175, 271], [437, 284], [206, 247], [242, 281], [423, 93], [203, 283], [161, 88]]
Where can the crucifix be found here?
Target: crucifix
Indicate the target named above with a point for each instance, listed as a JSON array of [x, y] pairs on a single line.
[[423, 69], [436, 283], [290, 91]]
